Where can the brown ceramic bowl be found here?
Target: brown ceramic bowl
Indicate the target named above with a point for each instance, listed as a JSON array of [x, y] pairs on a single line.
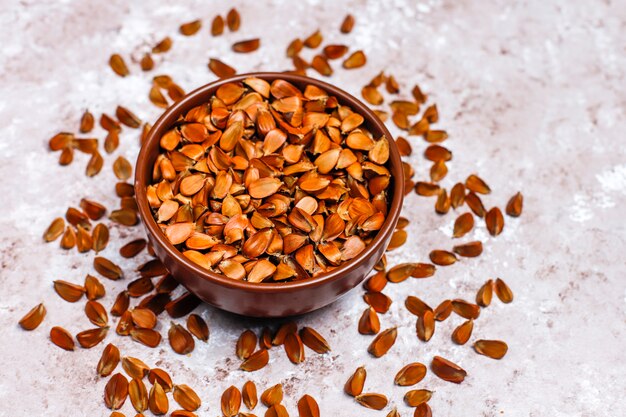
[[265, 299]]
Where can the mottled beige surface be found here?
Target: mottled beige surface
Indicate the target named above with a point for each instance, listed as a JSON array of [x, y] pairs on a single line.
[[532, 94]]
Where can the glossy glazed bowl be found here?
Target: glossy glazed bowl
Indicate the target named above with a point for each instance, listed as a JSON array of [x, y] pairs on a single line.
[[266, 299]]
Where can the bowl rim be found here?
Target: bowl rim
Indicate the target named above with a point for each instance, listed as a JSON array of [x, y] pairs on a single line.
[[189, 101]]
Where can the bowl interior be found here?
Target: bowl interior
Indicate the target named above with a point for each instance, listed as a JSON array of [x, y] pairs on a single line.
[[150, 150]]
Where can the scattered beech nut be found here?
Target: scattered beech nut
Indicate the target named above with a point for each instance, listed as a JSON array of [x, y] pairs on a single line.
[[425, 326], [217, 26], [411, 374], [321, 65], [457, 195], [256, 361], [221, 69], [503, 292], [33, 318], [372, 95], [347, 24], [372, 400], [233, 20], [483, 297], [116, 391], [515, 205], [465, 309], [447, 370], [335, 51], [369, 322], [61, 337], [135, 368], [462, 333], [383, 342], [443, 310], [469, 250], [313, 340], [109, 360], [247, 46], [416, 306], [308, 407], [442, 257], [314, 40], [416, 397], [354, 384], [355, 60], [249, 395], [463, 224], [180, 339], [118, 65], [495, 349], [476, 184], [475, 204], [494, 221], [190, 28]]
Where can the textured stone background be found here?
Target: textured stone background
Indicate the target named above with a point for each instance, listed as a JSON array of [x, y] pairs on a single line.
[[532, 95]]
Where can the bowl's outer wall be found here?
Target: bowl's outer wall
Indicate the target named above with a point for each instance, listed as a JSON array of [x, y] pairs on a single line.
[[267, 304], [265, 300]]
